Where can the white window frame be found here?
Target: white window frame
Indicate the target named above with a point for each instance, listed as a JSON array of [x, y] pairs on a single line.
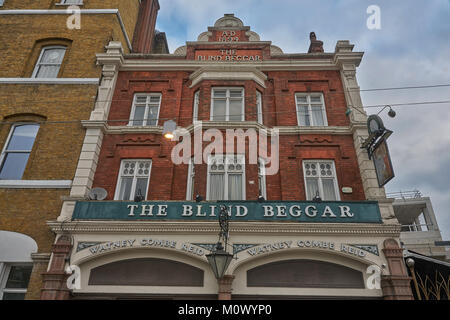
[[210, 160], [262, 175], [259, 106], [71, 2], [311, 119], [147, 107], [5, 152], [190, 180], [133, 185], [195, 107], [227, 104], [38, 63], [320, 184], [5, 269]]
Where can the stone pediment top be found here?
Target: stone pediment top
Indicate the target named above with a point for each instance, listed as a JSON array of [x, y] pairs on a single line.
[[228, 20], [228, 29], [228, 72]]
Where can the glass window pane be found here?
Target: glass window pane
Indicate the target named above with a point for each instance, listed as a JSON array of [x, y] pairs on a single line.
[[312, 188], [329, 193], [13, 296], [317, 115], [141, 99], [154, 99], [235, 187], [48, 71], [125, 189], [53, 56], [152, 116], [303, 116], [235, 93], [18, 278], [216, 187], [138, 116], [14, 166], [235, 110], [316, 99], [23, 137], [302, 99], [219, 109], [220, 93], [141, 187]]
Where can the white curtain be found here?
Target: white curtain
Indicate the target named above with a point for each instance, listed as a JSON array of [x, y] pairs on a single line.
[[50, 63], [303, 116], [216, 186], [219, 110], [329, 193], [235, 187], [152, 116], [141, 188], [312, 188], [235, 110], [317, 115], [125, 188], [139, 116]]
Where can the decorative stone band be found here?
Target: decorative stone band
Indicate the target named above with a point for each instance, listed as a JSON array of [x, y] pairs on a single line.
[[35, 184], [285, 228], [84, 81]]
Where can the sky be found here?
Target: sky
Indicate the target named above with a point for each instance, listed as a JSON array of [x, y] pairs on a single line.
[[411, 48]]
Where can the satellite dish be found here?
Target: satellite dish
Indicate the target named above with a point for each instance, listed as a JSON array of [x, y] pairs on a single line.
[[98, 194]]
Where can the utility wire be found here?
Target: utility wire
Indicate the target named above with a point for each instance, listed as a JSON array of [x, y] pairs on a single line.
[[264, 113], [201, 98]]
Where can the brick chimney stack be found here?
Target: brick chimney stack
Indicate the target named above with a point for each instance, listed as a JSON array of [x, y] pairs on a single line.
[[144, 32]]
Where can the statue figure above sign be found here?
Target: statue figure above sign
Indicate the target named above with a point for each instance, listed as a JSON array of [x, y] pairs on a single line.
[[316, 45]]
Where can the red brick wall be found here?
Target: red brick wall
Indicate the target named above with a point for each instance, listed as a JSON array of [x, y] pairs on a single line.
[[168, 182]]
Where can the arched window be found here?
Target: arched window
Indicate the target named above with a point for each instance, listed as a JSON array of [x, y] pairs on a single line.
[[14, 156], [49, 62]]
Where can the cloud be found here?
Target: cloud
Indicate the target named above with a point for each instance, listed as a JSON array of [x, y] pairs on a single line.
[[412, 48]]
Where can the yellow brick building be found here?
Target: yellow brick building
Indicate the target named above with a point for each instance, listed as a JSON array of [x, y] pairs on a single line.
[[48, 83]]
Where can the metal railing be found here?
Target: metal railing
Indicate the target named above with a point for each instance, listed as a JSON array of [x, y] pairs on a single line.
[[417, 227], [415, 194]]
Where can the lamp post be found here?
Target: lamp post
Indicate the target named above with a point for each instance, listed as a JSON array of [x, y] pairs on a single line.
[[219, 259], [410, 263]]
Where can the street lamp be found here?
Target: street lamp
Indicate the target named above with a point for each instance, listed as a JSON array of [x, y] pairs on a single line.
[[219, 260], [169, 128]]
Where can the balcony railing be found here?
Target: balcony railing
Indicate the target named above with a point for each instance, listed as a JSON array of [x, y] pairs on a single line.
[[416, 227], [415, 194]]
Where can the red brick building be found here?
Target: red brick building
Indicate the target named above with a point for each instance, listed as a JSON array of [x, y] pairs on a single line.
[[307, 219]]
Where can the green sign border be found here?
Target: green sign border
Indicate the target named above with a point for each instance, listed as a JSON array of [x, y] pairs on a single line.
[[363, 211]]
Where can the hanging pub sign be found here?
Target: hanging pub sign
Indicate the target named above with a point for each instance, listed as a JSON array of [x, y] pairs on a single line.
[[377, 149], [383, 164]]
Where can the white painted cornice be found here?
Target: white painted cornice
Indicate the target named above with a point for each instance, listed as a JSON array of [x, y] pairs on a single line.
[[194, 65], [84, 81], [35, 184], [237, 228], [283, 130]]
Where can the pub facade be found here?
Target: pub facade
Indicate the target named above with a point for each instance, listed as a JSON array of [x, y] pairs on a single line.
[[227, 125]]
